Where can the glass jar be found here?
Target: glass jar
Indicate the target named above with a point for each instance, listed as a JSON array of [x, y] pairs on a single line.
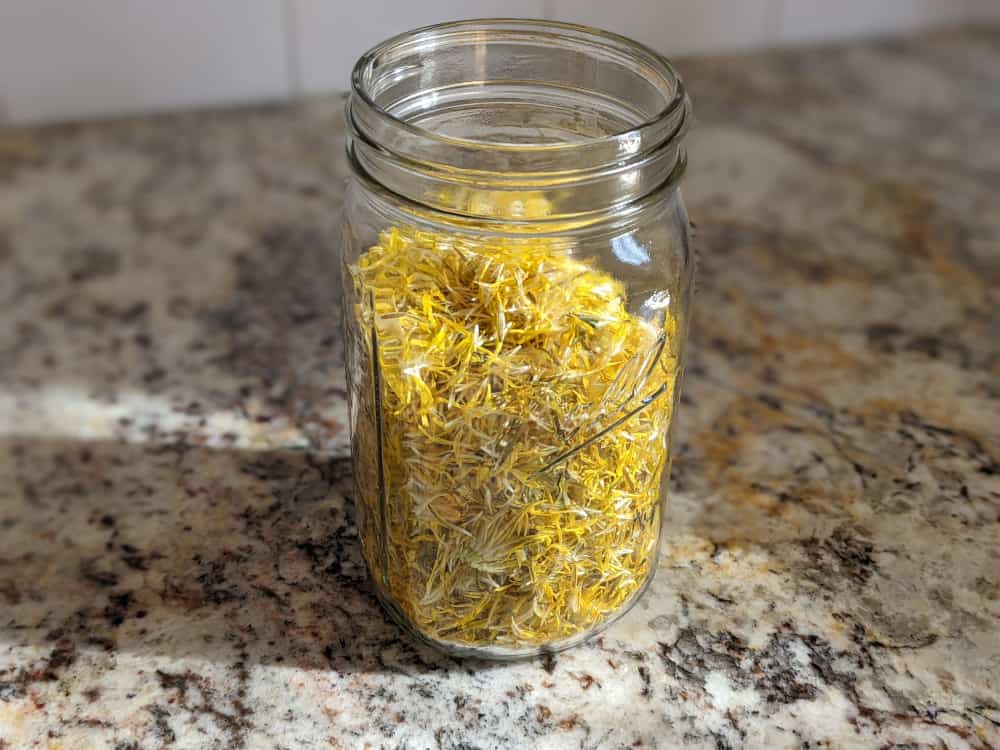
[[517, 274]]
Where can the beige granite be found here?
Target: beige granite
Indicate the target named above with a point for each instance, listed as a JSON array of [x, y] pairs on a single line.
[[179, 567]]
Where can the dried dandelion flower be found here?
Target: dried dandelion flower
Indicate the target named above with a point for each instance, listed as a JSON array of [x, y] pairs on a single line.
[[512, 436]]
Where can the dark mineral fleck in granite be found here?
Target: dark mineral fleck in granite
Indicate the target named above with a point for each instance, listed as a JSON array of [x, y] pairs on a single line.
[[179, 565]]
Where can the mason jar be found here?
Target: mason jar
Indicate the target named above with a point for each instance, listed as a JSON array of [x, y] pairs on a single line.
[[517, 274]]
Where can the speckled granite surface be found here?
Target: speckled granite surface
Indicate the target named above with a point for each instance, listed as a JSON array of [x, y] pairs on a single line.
[[178, 563]]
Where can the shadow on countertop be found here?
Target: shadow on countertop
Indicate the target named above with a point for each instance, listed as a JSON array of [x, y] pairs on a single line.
[[178, 551]]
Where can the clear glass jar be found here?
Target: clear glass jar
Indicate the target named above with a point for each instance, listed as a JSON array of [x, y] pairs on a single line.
[[517, 274]]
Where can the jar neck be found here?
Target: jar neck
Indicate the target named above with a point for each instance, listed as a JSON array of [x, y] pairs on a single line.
[[517, 121]]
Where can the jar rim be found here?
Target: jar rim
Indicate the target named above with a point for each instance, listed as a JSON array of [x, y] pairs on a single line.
[[571, 120], [624, 139]]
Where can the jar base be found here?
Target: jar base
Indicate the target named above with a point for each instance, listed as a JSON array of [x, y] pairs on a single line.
[[505, 653]]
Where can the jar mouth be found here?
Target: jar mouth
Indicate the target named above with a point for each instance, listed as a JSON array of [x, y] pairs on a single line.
[[516, 105]]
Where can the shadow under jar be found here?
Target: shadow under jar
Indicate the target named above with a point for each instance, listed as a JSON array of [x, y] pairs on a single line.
[[517, 274]]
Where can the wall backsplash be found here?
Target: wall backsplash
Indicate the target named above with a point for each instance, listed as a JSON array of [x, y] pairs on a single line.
[[61, 60]]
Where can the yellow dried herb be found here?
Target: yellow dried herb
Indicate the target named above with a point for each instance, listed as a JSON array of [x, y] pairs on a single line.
[[512, 436]]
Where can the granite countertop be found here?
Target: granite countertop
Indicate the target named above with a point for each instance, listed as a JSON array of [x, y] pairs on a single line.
[[179, 565]]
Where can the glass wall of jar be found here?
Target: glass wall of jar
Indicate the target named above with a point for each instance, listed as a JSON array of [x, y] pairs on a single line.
[[516, 281]]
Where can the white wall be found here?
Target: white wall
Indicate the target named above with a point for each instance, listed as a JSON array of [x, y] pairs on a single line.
[[61, 59]]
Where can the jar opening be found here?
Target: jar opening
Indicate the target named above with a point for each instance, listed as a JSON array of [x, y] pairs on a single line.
[[585, 117]]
